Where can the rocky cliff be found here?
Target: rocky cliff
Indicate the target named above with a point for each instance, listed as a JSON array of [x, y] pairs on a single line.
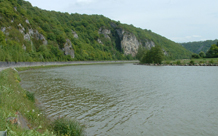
[[68, 50], [33, 34], [130, 44]]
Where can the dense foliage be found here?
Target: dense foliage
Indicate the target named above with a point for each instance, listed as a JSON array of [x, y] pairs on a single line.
[[213, 51], [19, 17], [154, 55], [197, 47]]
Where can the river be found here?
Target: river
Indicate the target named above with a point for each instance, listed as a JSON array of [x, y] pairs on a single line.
[[127, 99]]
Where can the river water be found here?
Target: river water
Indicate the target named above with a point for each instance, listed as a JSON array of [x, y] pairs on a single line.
[[127, 99]]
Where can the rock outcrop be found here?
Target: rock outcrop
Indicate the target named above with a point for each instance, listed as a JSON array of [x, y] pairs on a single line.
[[105, 32], [39, 36], [148, 44], [21, 28], [129, 44], [68, 50], [75, 35], [120, 33], [99, 41]]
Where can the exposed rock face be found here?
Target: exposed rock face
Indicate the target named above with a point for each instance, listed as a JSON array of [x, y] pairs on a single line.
[[113, 25], [3, 29], [27, 21], [68, 50], [105, 32], [75, 35], [99, 41], [39, 36], [24, 47], [120, 33], [130, 44], [15, 8], [27, 37], [165, 52], [149, 44], [21, 29]]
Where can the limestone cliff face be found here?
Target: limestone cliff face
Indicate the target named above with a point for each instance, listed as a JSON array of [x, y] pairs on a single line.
[[28, 35], [68, 50], [105, 32], [129, 44], [39, 36], [148, 44], [127, 41], [75, 35]]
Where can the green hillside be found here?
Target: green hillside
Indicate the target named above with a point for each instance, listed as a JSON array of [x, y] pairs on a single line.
[[197, 47], [32, 34]]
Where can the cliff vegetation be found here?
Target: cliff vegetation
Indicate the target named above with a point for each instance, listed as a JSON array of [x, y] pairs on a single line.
[[32, 34]]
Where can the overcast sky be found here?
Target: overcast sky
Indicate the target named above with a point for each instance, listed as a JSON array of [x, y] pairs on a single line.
[[177, 20]]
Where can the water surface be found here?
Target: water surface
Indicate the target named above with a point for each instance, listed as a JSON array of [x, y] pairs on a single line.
[[127, 99]]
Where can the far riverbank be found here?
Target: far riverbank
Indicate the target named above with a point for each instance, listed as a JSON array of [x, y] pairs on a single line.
[[5, 65]]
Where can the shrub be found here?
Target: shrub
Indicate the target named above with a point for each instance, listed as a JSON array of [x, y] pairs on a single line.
[[201, 61], [63, 126], [178, 62], [195, 56], [30, 96], [192, 62], [211, 61], [202, 54]]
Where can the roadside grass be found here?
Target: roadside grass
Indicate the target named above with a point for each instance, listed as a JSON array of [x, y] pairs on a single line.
[[14, 99]]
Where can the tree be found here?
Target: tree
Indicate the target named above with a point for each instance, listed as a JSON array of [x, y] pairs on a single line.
[[140, 53], [155, 55], [51, 36], [2, 38], [213, 51], [61, 41], [202, 54], [195, 56]]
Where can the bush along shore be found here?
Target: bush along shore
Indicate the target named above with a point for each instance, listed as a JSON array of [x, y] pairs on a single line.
[[20, 116], [186, 62]]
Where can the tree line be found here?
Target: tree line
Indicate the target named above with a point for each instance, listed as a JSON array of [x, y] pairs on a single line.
[[211, 53]]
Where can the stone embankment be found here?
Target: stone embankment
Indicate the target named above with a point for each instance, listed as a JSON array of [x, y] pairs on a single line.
[[5, 65]]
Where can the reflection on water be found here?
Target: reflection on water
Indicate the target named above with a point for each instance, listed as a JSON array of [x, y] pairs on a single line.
[[126, 99]]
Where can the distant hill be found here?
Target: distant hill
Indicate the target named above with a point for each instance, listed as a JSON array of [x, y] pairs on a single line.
[[33, 34], [197, 47]]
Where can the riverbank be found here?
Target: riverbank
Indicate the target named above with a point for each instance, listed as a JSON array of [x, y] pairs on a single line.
[[19, 114], [5, 65], [186, 62]]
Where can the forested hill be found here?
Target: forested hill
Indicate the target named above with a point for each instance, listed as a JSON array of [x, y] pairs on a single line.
[[199, 46], [32, 34]]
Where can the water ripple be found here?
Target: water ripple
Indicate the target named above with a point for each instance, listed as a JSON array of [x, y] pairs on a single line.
[[126, 99]]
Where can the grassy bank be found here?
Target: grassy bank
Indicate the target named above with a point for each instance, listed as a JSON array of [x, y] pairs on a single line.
[[16, 103], [201, 61]]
